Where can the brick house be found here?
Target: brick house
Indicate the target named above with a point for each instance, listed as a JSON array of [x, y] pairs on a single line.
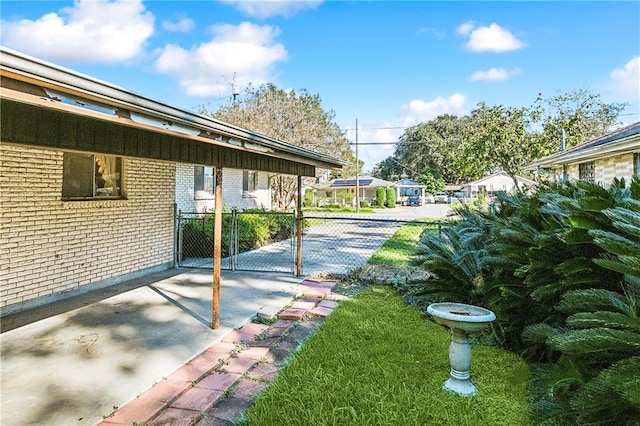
[[242, 189], [88, 178], [614, 155]]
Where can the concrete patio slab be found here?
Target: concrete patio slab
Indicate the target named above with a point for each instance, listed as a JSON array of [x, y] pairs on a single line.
[[76, 366]]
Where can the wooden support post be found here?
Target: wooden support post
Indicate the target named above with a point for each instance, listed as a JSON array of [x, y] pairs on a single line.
[[217, 250], [299, 229]]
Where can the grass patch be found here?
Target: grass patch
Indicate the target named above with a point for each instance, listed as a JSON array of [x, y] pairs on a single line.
[[377, 361], [397, 249], [336, 209]]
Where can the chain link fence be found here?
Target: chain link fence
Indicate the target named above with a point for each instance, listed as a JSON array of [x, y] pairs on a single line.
[[252, 241], [266, 241]]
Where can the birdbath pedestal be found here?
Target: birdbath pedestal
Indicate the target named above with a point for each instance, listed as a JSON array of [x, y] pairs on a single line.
[[462, 320]]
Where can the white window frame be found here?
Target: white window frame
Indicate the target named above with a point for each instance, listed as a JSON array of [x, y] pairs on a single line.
[[249, 182], [204, 182]]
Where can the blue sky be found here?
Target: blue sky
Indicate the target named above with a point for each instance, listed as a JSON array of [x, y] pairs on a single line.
[[388, 64]]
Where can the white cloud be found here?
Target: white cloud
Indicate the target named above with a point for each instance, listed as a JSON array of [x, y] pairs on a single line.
[[626, 80], [466, 28], [89, 31], [249, 50], [494, 74], [418, 110], [437, 33], [387, 134], [267, 8], [493, 38], [182, 24]]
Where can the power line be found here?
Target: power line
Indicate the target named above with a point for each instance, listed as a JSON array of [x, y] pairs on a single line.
[[387, 143], [379, 128]]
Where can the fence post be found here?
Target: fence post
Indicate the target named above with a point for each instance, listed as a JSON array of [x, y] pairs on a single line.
[[299, 229], [217, 250], [176, 227]]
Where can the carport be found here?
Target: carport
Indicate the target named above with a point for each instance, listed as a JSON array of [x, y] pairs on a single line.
[[48, 107]]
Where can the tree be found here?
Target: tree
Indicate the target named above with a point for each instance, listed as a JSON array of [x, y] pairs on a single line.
[[294, 117], [440, 145], [500, 137], [432, 180], [501, 141], [389, 169], [581, 114]]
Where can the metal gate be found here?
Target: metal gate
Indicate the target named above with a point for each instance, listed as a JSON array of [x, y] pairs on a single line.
[[266, 241], [251, 241]]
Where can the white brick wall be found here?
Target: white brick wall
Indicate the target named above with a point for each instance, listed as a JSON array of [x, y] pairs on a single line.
[[50, 247], [619, 166], [232, 194]]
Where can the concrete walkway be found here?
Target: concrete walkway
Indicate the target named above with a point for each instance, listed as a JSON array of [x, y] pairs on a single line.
[[218, 385], [92, 355]]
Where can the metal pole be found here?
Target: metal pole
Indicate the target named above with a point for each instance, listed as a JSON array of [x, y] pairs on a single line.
[[217, 250], [357, 173], [299, 229]]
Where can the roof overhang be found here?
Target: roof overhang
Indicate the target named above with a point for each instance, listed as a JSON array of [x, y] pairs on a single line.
[[29, 118], [624, 145]]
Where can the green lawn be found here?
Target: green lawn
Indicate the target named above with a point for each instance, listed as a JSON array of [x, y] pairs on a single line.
[[377, 361], [397, 249]]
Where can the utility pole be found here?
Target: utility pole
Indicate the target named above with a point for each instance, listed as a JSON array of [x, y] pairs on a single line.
[[357, 173], [234, 90]]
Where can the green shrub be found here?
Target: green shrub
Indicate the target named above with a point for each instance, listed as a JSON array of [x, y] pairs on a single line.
[[256, 228], [561, 270], [380, 197], [391, 198], [308, 200]]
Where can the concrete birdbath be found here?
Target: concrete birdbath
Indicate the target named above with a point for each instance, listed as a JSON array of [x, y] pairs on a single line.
[[462, 319]]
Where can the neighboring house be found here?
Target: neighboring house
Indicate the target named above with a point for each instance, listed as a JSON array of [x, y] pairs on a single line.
[[88, 178], [406, 189], [343, 191], [242, 189], [488, 185], [614, 155]]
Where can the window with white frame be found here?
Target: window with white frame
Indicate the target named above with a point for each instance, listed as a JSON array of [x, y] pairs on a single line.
[[587, 171], [91, 176], [249, 181], [203, 182], [636, 163]]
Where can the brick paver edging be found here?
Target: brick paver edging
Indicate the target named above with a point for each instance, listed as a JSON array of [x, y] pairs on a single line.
[[220, 383]]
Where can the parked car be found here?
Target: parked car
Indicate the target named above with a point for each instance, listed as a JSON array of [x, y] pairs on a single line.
[[440, 197], [414, 201]]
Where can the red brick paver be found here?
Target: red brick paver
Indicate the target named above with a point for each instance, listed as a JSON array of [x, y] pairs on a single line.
[[292, 314], [320, 311]]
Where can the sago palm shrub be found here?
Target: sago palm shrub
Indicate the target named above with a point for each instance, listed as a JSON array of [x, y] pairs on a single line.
[[547, 238], [597, 378], [453, 258]]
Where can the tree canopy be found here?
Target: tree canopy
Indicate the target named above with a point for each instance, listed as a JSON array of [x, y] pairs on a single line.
[[294, 117], [498, 138]]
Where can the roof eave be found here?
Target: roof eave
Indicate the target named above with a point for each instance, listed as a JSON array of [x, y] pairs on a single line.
[[25, 68], [622, 146]]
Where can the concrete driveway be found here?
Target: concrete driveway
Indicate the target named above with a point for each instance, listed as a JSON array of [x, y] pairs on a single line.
[[74, 367]]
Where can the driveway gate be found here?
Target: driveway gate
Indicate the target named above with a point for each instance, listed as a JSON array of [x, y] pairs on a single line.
[[266, 241], [251, 241]]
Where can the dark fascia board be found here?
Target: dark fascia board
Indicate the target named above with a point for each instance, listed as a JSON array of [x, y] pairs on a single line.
[[626, 139], [30, 120], [26, 68]]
